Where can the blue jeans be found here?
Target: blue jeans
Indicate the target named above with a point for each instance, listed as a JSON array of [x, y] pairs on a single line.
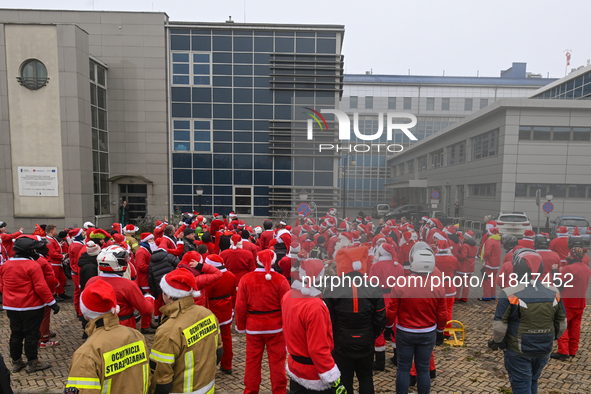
[[419, 346], [524, 371]]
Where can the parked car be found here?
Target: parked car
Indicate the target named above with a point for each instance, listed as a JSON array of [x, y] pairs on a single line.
[[409, 211], [514, 223], [442, 216], [380, 210], [570, 222]]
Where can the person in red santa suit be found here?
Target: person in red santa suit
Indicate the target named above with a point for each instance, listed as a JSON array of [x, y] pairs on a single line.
[[308, 335], [466, 259], [267, 235], [408, 240], [454, 240], [237, 260], [258, 313], [169, 242], [8, 239], [159, 230], [247, 245], [489, 224], [55, 258], [290, 262], [332, 241], [143, 255], [435, 233], [541, 244], [113, 262], [491, 255], [528, 239], [233, 220], [46, 336], [78, 237], [222, 299], [283, 240], [386, 269], [205, 275], [573, 295], [448, 264]]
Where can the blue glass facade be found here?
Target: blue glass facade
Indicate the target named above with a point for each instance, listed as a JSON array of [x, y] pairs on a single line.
[[227, 98]]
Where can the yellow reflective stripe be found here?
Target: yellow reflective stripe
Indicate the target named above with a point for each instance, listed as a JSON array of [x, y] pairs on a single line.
[[146, 378], [162, 357], [212, 390], [107, 386], [189, 366], [84, 383]]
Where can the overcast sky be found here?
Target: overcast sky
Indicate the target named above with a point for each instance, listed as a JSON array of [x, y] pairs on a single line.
[[391, 37]]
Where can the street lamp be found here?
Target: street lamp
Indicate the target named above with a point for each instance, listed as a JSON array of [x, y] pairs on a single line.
[[346, 163], [199, 192], [303, 195], [549, 197]]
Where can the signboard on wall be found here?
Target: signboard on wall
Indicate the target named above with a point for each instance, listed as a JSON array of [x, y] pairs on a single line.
[[37, 182]]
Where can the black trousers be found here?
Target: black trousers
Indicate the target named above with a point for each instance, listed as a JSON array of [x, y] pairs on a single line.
[[24, 325], [296, 388], [362, 367]]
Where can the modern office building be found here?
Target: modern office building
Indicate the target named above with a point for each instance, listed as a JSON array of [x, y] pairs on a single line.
[[436, 101], [495, 159], [99, 108]]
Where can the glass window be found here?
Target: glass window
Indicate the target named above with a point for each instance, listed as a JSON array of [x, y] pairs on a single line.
[[445, 104], [557, 191], [243, 200], [391, 102], [202, 43], [561, 134], [263, 44], [577, 191], [243, 44], [520, 190], [180, 43], [221, 95], [243, 95], [368, 102], [305, 45], [524, 132], [222, 43], [581, 133], [535, 186], [483, 103], [353, 101], [222, 57], [407, 103], [284, 44], [430, 103], [468, 104], [541, 133]]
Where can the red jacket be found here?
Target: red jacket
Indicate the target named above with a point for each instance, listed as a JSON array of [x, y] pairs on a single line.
[[492, 253], [263, 297], [253, 248], [47, 272], [330, 245], [448, 265], [74, 253], [482, 242], [549, 258], [168, 243], [576, 277], [8, 240], [129, 298], [23, 285], [504, 276], [142, 263], [239, 262], [308, 333], [285, 264], [509, 256], [466, 257], [265, 238], [418, 307], [222, 297], [526, 243], [284, 237], [207, 277], [403, 255], [386, 272], [55, 255], [560, 246]]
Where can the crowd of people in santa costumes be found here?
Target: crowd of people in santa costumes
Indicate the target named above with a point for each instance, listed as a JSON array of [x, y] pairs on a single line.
[[270, 281]]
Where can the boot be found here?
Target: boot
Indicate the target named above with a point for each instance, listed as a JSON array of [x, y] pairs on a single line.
[[560, 356], [433, 374], [36, 365], [18, 365], [380, 363]]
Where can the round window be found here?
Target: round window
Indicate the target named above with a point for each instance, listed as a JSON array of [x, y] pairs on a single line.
[[33, 74]]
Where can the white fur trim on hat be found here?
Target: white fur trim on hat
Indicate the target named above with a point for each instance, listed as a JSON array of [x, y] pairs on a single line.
[[176, 293], [149, 237], [94, 314], [439, 237]]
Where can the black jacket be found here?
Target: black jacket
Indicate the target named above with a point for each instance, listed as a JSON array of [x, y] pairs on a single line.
[[161, 264], [88, 268], [319, 252], [190, 246], [354, 332]]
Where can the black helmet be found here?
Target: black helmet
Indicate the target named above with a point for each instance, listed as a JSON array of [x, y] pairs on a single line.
[[25, 245], [525, 261], [574, 241], [268, 224], [541, 242], [509, 242]]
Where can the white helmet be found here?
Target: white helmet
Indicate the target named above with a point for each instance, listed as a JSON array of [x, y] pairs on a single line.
[[421, 258], [258, 230], [113, 259]]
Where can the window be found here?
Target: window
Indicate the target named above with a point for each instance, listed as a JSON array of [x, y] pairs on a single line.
[[422, 163], [192, 135], [243, 200], [483, 190], [581, 133], [577, 191], [369, 102], [485, 145], [542, 133], [468, 104], [33, 74], [437, 159], [408, 103], [535, 186], [557, 191], [521, 190], [353, 101], [191, 69], [561, 134], [524, 132], [410, 165], [445, 104], [457, 153], [100, 138], [391, 102], [483, 103], [430, 103]]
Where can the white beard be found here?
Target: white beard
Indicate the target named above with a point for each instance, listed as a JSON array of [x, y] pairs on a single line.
[[153, 247], [341, 243]]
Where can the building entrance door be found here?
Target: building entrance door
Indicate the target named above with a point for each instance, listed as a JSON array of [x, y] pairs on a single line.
[[136, 197]]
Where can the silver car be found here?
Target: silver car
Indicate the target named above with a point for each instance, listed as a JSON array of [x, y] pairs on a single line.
[[570, 222]]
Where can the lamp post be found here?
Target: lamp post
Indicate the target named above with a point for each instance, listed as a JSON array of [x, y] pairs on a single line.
[[345, 174], [199, 192], [549, 197]]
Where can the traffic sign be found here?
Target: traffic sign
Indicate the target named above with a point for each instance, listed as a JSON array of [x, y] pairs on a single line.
[[303, 209], [548, 207], [313, 206], [435, 195]]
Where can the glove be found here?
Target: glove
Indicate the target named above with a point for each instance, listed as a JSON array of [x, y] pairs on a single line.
[[492, 344], [439, 339], [56, 308], [388, 332], [337, 387], [199, 266], [71, 390], [482, 271]]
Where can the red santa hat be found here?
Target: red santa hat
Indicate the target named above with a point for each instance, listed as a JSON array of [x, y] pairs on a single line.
[[352, 259], [469, 233], [439, 237], [386, 250], [437, 223], [192, 256], [332, 212], [367, 219], [333, 230], [73, 233], [391, 223], [425, 218], [355, 236], [359, 220], [266, 259], [97, 299], [490, 224], [386, 231], [145, 237], [330, 221], [179, 283], [313, 269], [258, 229], [232, 214], [369, 227], [294, 248], [120, 239], [99, 233], [529, 234], [343, 226], [449, 230], [241, 224], [130, 229], [576, 232], [215, 260], [236, 241], [406, 236], [443, 247], [117, 227], [494, 230]]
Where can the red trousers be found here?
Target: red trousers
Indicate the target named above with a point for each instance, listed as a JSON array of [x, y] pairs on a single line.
[[226, 331], [44, 329], [76, 280], [569, 341], [276, 353], [463, 291], [147, 319], [489, 289], [413, 370], [60, 279], [450, 309]]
